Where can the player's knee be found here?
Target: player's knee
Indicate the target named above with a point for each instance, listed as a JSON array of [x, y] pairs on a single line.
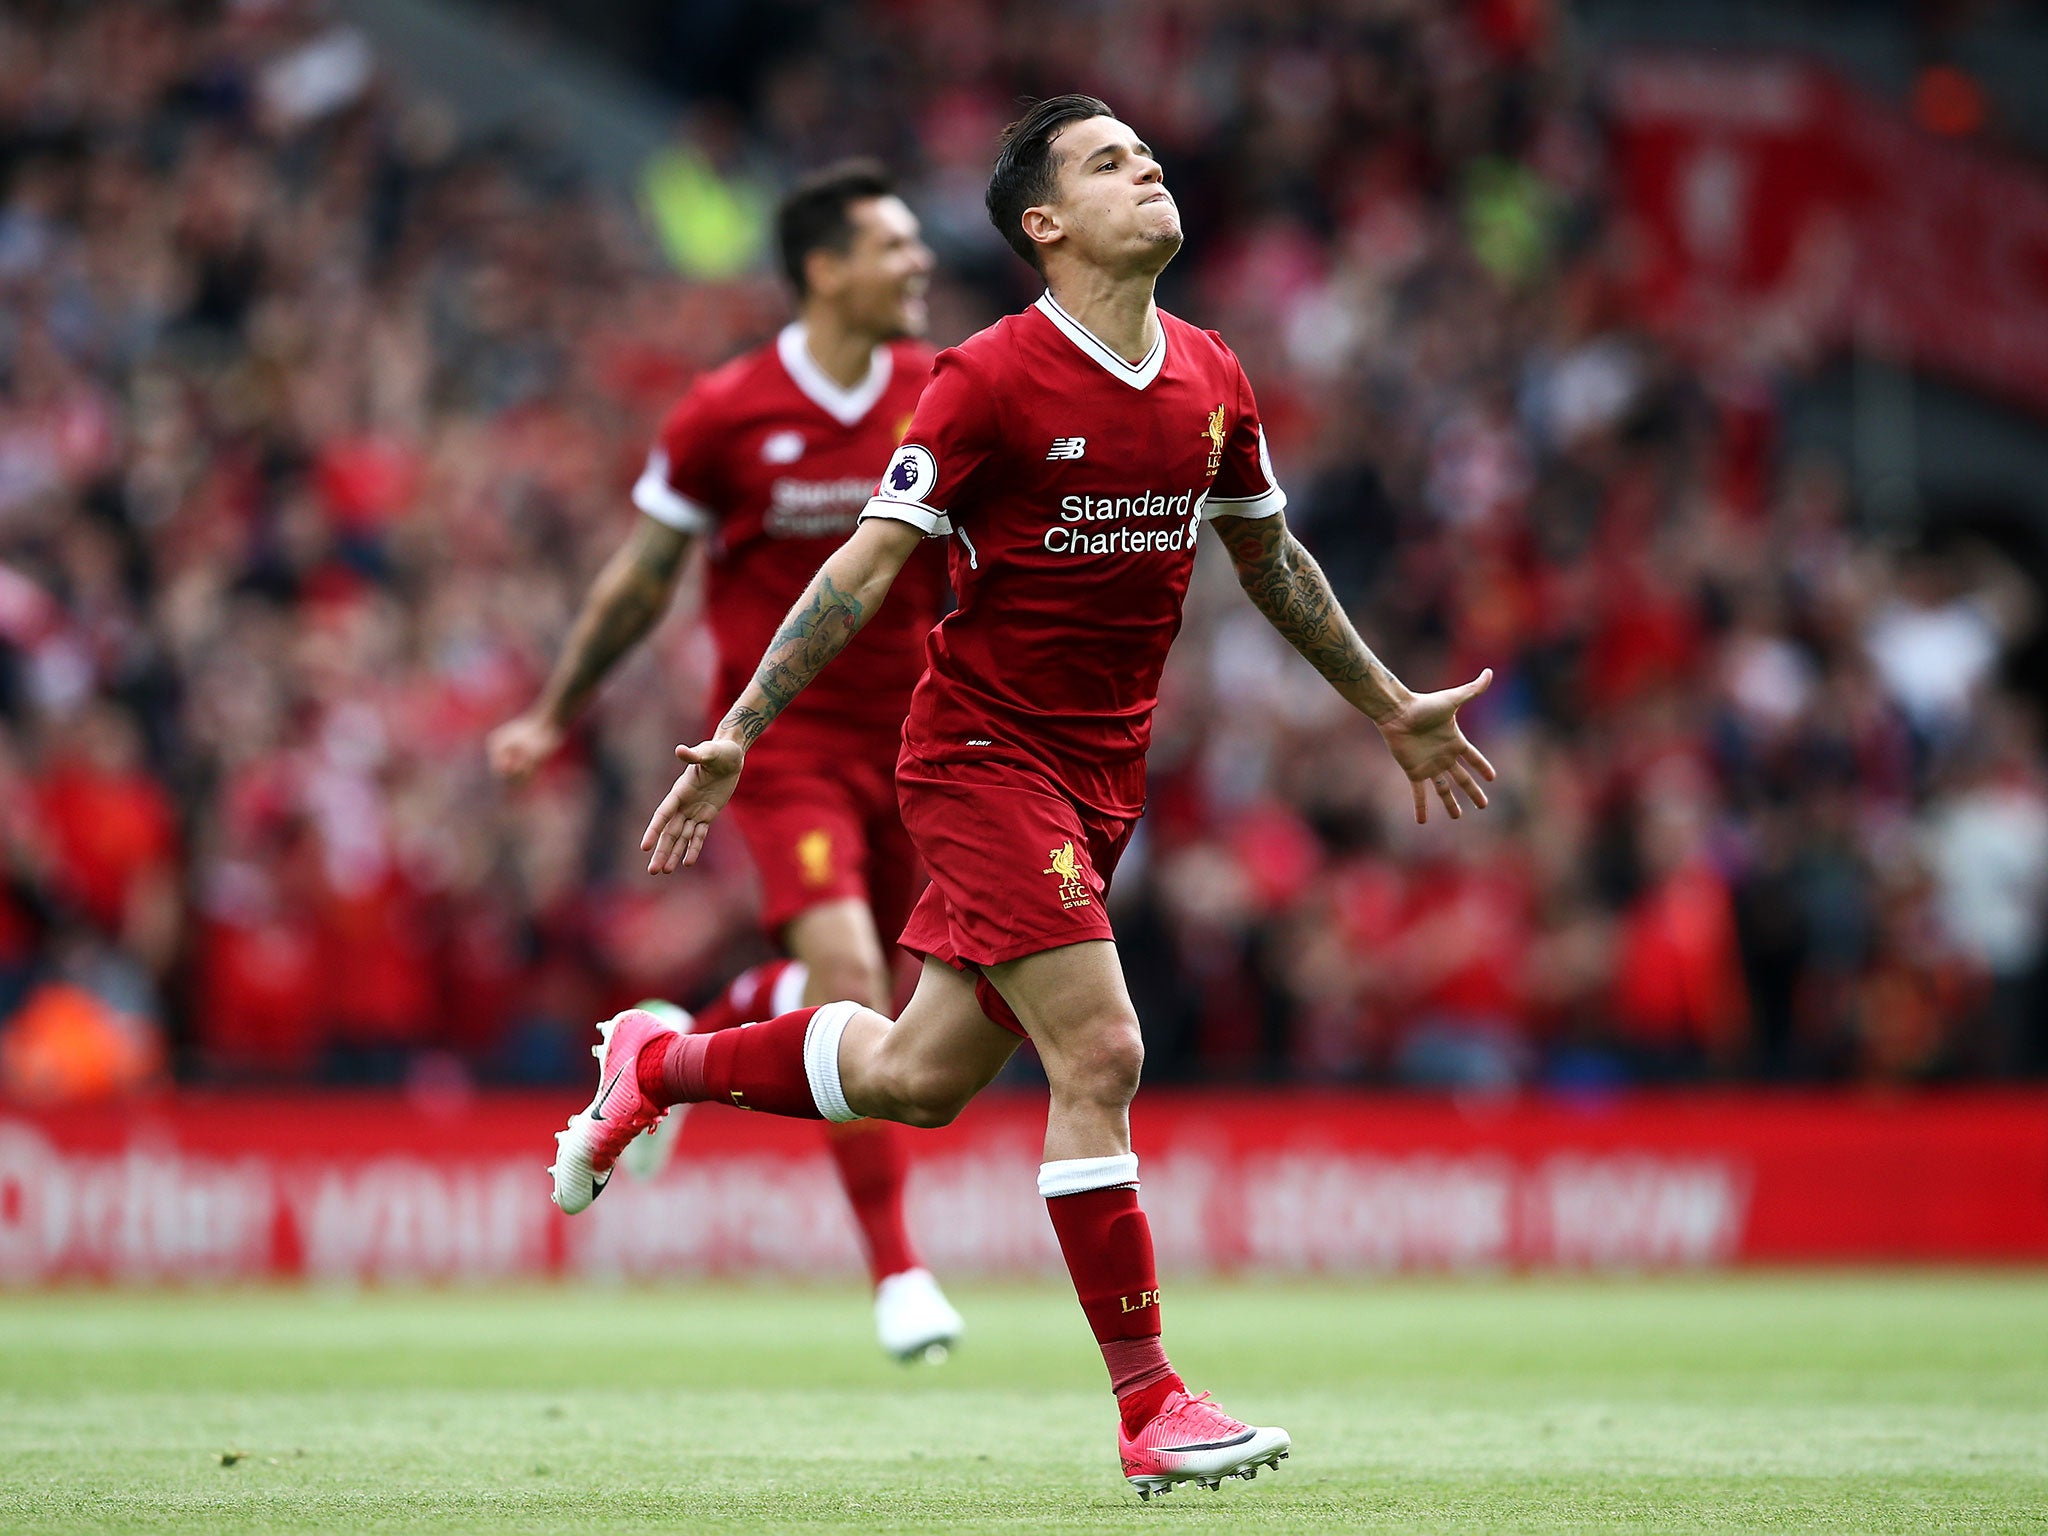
[[1104, 1066], [928, 1116], [932, 1096]]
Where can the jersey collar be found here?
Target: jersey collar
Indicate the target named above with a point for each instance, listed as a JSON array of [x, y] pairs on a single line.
[[1137, 375], [845, 406]]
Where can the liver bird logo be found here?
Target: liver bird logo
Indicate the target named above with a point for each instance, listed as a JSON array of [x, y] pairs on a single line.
[[814, 854], [1066, 866], [1213, 430]]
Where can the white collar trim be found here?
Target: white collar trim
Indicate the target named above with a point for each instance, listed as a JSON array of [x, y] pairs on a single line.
[[1137, 374], [845, 406]]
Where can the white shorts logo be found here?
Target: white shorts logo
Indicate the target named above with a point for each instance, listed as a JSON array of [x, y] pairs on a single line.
[[913, 474]]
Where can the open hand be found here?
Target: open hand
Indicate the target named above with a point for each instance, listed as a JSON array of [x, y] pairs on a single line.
[[676, 835], [521, 745], [1425, 740]]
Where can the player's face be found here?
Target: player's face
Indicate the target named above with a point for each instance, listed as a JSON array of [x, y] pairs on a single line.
[[1113, 208], [879, 284]]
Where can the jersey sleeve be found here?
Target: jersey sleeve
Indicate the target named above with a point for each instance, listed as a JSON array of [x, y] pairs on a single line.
[[1245, 485], [679, 484], [951, 436]]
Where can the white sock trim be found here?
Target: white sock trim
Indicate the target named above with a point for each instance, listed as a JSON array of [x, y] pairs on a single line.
[[1078, 1175], [787, 995], [821, 1060]]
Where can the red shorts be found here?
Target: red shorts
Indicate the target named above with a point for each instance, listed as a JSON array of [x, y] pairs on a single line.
[[823, 826], [1016, 867]]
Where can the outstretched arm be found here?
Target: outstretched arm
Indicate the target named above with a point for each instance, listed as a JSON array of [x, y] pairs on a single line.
[[1421, 729], [841, 598], [629, 595]]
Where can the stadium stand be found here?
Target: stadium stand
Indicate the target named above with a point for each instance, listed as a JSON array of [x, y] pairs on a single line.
[[315, 414]]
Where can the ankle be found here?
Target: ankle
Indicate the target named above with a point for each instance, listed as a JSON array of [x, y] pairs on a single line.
[[670, 1068], [648, 1064], [1141, 1404]]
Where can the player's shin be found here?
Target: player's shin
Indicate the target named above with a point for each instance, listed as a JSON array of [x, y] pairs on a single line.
[[1107, 1243], [872, 1169], [787, 1065]]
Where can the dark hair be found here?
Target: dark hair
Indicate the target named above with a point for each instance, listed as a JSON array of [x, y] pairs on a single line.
[[814, 214], [1023, 176]]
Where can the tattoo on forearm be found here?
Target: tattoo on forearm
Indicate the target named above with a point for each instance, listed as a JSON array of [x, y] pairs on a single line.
[[634, 593], [816, 630], [1285, 584]]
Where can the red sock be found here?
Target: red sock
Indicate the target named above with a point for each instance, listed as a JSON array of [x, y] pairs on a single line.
[[750, 997], [758, 1067], [871, 1167], [1108, 1248]]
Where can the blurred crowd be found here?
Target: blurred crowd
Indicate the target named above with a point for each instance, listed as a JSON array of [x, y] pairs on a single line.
[[316, 416]]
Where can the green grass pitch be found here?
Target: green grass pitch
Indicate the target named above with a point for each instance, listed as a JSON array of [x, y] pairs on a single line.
[[1859, 1403]]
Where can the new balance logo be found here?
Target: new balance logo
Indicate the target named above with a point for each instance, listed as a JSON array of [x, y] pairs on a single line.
[[1067, 448]]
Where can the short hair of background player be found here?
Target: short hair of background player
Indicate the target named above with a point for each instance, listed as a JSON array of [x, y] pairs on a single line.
[[1024, 176], [817, 213]]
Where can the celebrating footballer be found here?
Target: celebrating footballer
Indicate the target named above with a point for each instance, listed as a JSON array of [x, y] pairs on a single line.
[[1070, 455]]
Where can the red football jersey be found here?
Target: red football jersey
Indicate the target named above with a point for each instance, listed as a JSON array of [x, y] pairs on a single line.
[[770, 462], [1073, 484]]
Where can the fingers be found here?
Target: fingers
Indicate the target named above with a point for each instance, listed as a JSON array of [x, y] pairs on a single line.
[[1462, 777], [658, 847], [1447, 782], [682, 843], [1447, 792], [679, 844], [670, 808], [1470, 753], [675, 835]]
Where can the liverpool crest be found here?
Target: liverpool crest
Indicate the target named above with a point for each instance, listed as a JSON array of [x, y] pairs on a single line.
[[1213, 430], [1066, 866]]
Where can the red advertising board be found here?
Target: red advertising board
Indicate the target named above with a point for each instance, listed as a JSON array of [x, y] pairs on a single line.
[[1766, 187], [363, 1188]]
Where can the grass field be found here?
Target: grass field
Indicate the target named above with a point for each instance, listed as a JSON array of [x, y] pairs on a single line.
[[1801, 1403]]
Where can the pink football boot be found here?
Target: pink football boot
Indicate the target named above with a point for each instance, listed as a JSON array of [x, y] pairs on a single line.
[[586, 1152], [1191, 1440]]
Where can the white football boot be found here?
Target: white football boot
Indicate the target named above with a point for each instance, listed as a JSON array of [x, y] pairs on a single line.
[[913, 1319], [588, 1151]]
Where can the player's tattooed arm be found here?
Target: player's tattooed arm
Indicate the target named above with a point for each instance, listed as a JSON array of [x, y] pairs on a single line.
[[630, 594], [1285, 584], [844, 595], [817, 629], [1420, 729]]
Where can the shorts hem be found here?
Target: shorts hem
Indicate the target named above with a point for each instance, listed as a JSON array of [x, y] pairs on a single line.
[[1003, 954]]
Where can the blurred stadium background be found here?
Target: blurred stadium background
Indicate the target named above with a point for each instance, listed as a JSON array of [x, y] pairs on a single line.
[[1685, 362]]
